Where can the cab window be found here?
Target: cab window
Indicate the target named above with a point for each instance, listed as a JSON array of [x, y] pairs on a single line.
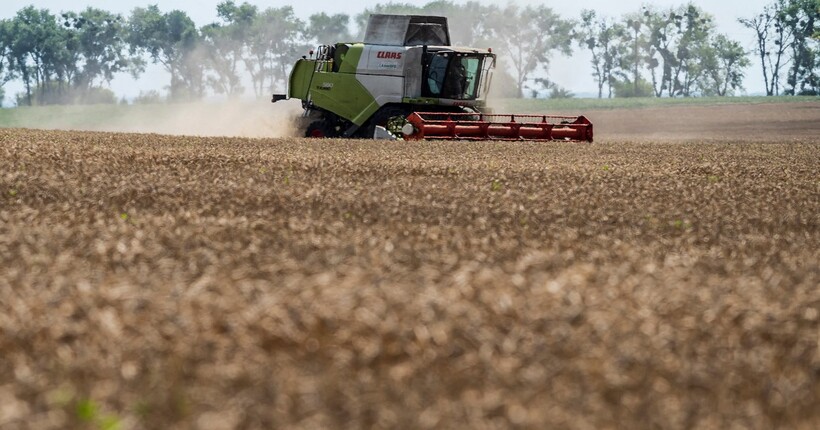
[[453, 76]]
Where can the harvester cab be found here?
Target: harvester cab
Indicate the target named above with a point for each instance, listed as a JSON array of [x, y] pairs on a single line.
[[408, 79]]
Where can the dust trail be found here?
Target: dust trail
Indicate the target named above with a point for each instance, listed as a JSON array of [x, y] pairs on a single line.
[[238, 119]]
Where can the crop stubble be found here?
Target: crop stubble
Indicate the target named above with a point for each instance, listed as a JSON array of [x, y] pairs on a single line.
[[180, 282]]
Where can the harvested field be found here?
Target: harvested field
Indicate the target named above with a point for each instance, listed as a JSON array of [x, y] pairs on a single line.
[[760, 122], [152, 281]]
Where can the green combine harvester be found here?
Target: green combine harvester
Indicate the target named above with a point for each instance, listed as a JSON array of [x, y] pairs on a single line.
[[407, 81]]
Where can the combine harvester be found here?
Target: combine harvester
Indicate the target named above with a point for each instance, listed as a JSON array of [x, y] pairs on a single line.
[[407, 81]]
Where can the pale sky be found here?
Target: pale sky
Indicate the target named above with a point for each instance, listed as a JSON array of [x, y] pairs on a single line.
[[564, 71]]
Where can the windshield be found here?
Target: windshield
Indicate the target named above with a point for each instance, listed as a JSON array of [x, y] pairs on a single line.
[[453, 76]]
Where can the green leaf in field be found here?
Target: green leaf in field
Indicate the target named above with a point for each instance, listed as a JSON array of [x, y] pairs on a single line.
[[13, 192], [605, 168], [124, 216], [496, 185], [714, 179], [681, 224], [87, 410], [110, 423]]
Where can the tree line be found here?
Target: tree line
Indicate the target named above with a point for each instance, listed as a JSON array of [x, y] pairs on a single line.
[[673, 52], [72, 57], [787, 33], [678, 52]]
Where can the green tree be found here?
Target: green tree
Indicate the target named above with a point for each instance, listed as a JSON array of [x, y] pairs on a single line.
[[328, 29], [471, 24], [801, 17], [678, 41], [99, 49], [599, 36], [663, 36], [632, 46], [773, 41], [696, 28], [275, 42], [528, 37], [554, 91], [225, 45], [38, 48], [626, 87], [468, 22], [172, 40], [6, 65], [724, 62], [232, 13]]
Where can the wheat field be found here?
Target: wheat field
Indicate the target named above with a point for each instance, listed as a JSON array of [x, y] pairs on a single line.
[[151, 281]]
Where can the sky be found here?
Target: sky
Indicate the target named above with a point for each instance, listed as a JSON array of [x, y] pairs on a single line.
[[564, 71]]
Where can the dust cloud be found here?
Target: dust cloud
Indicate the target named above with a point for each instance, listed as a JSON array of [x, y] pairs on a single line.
[[235, 119]]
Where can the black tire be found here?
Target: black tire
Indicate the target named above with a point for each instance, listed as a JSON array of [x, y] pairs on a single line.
[[321, 130]]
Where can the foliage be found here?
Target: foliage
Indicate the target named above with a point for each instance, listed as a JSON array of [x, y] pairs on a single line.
[[276, 41], [785, 32], [98, 39], [38, 47], [559, 92], [554, 91], [326, 29], [528, 37], [724, 62], [599, 36], [64, 59], [675, 52], [679, 42], [225, 46], [172, 40], [504, 85], [469, 21], [57, 93], [627, 88], [672, 52], [148, 97], [632, 61], [6, 65], [802, 17]]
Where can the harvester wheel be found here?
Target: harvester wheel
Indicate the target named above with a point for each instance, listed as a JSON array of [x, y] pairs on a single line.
[[381, 118], [321, 129]]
